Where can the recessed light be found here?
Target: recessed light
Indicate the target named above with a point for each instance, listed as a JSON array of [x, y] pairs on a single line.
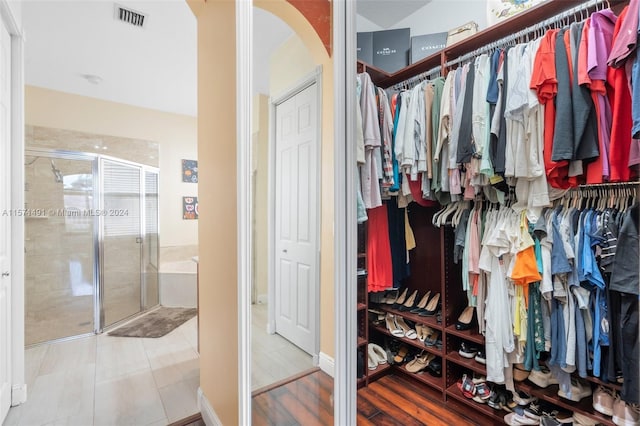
[[92, 78]]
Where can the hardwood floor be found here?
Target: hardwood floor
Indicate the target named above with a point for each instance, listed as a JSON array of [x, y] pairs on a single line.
[[391, 400]]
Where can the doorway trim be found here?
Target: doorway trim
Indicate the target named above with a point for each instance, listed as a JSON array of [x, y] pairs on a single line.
[[315, 77], [19, 387]]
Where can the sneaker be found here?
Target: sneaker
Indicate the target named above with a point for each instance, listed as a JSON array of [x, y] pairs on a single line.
[[533, 411], [467, 350], [480, 357], [483, 393], [542, 378], [579, 390], [516, 419], [625, 414], [523, 398], [603, 400], [582, 420]]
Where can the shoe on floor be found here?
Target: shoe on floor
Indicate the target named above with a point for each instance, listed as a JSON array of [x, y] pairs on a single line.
[[603, 400], [625, 414], [579, 390]]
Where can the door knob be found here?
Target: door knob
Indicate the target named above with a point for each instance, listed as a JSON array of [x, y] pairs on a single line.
[[6, 274]]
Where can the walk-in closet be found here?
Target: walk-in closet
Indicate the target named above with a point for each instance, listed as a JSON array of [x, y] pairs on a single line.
[[498, 219]]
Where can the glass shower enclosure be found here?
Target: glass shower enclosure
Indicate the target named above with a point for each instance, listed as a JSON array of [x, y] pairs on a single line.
[[91, 249]]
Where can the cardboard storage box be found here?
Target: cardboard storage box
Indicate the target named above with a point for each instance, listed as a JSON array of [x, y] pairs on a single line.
[[391, 49], [365, 47], [426, 45]]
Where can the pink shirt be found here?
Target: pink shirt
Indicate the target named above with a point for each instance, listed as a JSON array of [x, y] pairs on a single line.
[[625, 43]]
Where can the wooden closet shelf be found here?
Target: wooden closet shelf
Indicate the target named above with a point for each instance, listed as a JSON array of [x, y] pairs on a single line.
[[471, 364], [454, 392], [412, 342], [362, 341], [516, 23], [470, 335], [597, 381], [362, 306], [424, 377], [550, 394], [381, 370], [430, 321]]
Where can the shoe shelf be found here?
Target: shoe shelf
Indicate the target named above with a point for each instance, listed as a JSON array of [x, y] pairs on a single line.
[[430, 321], [550, 394], [362, 341], [381, 370], [412, 342], [362, 306], [496, 415], [471, 364], [609, 385], [423, 377], [470, 335]]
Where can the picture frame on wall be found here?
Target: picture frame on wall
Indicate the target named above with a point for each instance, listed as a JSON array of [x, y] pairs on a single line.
[[189, 208], [190, 171]]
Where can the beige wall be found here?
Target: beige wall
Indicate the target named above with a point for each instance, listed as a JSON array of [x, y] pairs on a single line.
[[289, 64], [175, 134], [218, 280], [260, 157]]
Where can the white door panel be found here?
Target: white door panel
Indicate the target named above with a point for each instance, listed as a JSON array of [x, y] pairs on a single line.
[[296, 219]]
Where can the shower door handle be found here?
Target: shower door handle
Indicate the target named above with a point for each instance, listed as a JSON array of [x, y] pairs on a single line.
[[6, 274]]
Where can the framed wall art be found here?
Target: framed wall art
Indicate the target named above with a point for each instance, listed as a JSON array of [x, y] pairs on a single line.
[[190, 171], [189, 208]]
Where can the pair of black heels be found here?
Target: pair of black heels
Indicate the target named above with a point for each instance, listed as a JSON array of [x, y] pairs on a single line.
[[426, 307]]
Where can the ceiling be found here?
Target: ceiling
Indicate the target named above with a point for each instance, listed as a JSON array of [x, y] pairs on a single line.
[[386, 13], [79, 47]]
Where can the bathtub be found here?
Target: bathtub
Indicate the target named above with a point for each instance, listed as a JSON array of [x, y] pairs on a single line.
[[178, 284]]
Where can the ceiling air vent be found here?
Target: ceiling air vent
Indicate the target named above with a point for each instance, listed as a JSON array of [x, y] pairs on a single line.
[[129, 16]]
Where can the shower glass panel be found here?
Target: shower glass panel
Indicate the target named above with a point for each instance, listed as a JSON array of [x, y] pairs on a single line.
[[59, 247], [122, 241], [150, 247]]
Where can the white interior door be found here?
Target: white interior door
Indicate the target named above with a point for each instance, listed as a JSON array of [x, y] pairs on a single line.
[[5, 222], [296, 219]]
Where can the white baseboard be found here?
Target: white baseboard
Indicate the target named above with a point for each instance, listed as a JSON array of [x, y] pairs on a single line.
[[209, 416], [18, 394], [327, 364], [263, 298]]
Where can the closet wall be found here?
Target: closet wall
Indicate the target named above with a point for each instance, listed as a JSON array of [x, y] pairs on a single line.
[[431, 262]]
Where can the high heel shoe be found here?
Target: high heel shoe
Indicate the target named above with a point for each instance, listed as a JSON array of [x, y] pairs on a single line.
[[401, 299], [393, 328], [411, 301], [423, 302], [465, 320], [432, 307], [409, 332]]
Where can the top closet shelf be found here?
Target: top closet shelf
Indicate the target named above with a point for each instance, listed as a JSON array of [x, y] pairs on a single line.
[[536, 14]]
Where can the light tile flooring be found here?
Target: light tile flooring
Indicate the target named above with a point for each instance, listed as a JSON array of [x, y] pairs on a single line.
[[105, 380], [273, 357]]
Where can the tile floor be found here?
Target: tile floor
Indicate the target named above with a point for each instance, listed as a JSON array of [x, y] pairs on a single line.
[[105, 380], [273, 357]]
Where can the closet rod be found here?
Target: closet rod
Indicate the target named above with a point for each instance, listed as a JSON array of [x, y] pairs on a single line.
[[411, 82], [533, 29], [608, 185]]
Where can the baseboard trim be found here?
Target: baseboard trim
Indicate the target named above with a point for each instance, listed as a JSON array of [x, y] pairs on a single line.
[[187, 420], [327, 364], [18, 394], [209, 415]]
